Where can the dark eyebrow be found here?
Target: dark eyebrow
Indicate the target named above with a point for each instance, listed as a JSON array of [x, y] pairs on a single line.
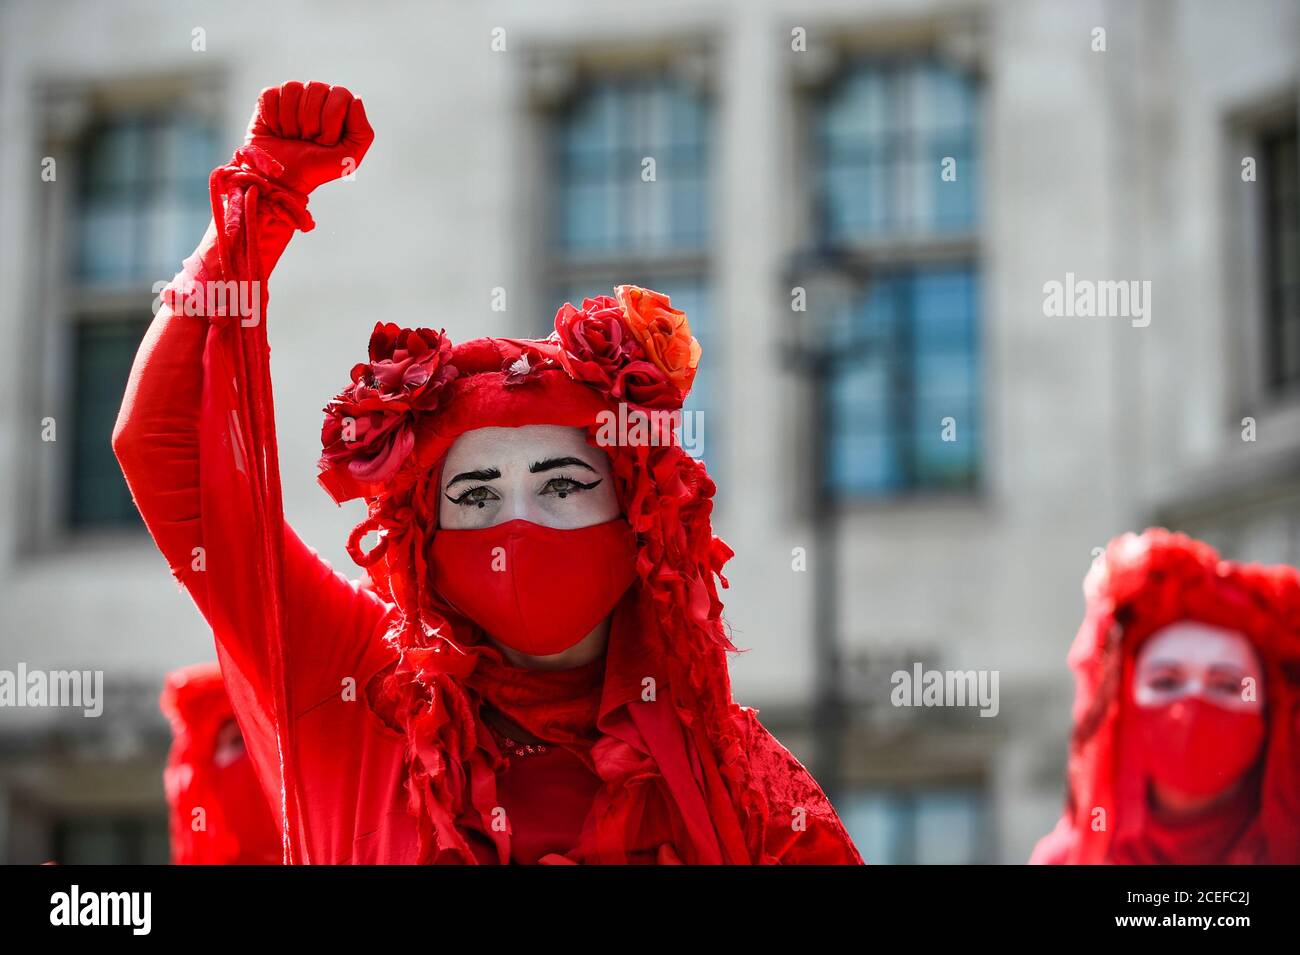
[[1231, 669], [482, 474], [550, 464]]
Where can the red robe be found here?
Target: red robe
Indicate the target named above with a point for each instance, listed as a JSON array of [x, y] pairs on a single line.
[[302, 648]]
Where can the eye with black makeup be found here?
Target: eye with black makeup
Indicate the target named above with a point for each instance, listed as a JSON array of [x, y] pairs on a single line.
[[561, 487], [1165, 679], [1166, 682], [472, 496], [1226, 682]]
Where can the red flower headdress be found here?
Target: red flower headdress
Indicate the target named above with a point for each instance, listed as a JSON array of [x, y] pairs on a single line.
[[1141, 584], [369, 427], [385, 437]]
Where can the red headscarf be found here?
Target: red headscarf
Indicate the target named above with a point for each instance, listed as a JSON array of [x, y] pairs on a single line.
[[1141, 584], [218, 811], [696, 799]]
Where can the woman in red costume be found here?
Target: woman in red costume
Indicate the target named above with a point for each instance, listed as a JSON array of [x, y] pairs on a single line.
[[1186, 742], [219, 814], [538, 671]]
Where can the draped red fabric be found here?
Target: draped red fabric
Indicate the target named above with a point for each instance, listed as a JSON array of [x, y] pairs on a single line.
[[218, 814], [564, 707], [1141, 584], [362, 706], [239, 463], [677, 781]]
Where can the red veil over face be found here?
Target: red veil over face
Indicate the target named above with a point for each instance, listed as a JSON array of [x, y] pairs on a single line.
[[1141, 584], [218, 812], [669, 743]]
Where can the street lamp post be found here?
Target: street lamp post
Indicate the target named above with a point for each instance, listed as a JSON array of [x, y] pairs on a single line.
[[820, 341]]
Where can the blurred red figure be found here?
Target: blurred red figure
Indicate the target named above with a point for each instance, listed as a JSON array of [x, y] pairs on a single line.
[[218, 812], [1186, 741]]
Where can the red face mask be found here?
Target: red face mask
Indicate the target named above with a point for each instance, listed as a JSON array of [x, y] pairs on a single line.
[[538, 590], [1196, 747]]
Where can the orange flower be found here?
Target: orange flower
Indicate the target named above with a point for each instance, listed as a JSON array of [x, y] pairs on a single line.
[[663, 332]]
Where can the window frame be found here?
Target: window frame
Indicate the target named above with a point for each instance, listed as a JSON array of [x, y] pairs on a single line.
[[1287, 389], [961, 45], [61, 302], [1245, 308]]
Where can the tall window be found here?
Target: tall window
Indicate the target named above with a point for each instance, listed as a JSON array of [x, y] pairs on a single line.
[[141, 206], [630, 156], [896, 166], [1280, 170], [926, 826]]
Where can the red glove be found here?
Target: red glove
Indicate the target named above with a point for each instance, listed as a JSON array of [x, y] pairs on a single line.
[[313, 134]]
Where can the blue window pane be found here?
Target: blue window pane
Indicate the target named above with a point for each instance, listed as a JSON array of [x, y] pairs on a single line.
[[143, 200], [585, 217], [104, 352], [867, 460], [604, 205], [933, 826], [105, 240], [115, 157], [883, 132], [187, 151], [948, 828], [945, 310], [878, 826], [918, 367], [955, 201]]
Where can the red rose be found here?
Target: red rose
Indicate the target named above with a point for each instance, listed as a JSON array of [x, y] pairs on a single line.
[[407, 367], [594, 342], [369, 427], [662, 331], [642, 383], [371, 444]]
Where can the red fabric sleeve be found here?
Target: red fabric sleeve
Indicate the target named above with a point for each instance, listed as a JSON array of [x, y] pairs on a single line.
[[329, 624]]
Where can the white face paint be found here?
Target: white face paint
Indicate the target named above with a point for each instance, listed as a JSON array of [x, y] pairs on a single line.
[[230, 744], [543, 473], [1188, 659]]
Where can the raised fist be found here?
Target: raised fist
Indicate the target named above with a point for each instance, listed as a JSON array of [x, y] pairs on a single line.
[[316, 133]]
